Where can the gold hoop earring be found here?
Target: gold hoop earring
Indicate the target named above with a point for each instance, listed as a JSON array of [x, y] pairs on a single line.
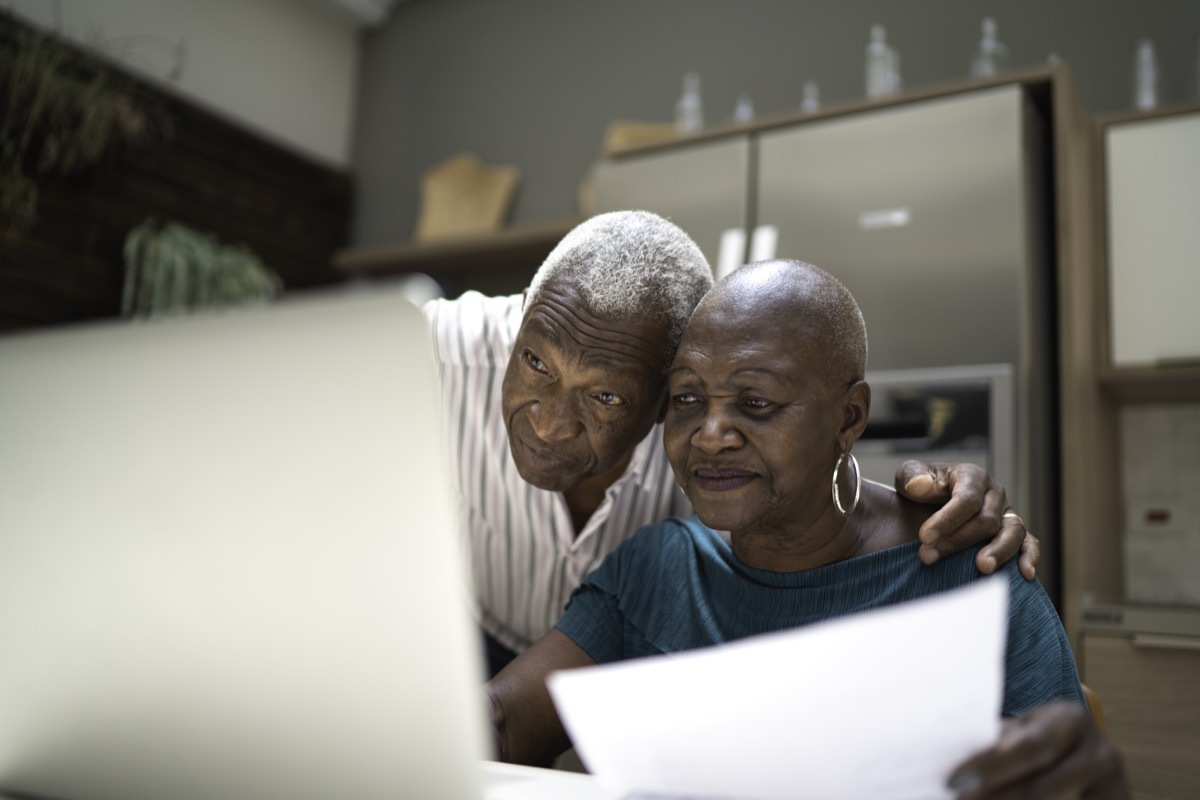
[[837, 495]]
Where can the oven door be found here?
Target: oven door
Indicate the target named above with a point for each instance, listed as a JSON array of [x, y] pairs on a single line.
[[961, 414]]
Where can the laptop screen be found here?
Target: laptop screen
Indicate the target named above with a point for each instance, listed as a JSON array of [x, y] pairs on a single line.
[[228, 562]]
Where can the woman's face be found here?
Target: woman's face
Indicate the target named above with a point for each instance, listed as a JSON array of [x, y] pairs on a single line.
[[752, 426]]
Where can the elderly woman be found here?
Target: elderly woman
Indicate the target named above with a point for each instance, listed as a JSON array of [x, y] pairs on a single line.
[[766, 401]]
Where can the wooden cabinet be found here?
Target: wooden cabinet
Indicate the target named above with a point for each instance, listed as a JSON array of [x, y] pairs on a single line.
[[1134, 361], [918, 208], [1152, 170], [1149, 685], [1126, 351], [1151, 165]]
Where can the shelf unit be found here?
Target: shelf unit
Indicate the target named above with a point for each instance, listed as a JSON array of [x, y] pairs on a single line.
[[1100, 390], [1148, 677], [1167, 384]]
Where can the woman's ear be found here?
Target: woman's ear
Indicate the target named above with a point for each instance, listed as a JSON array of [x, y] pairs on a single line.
[[856, 407]]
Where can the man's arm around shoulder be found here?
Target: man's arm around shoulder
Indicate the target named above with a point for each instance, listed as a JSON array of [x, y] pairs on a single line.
[[524, 720]]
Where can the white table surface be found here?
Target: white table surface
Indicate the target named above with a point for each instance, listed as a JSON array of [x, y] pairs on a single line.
[[513, 782]]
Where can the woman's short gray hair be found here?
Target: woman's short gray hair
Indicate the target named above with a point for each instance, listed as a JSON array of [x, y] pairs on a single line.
[[630, 264]]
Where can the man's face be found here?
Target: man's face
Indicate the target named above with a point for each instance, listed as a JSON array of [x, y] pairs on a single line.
[[580, 391], [752, 423]]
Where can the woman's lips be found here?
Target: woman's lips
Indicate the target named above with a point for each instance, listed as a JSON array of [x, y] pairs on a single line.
[[722, 479]]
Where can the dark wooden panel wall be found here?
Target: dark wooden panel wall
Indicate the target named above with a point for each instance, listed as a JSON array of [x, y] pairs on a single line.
[[202, 171]]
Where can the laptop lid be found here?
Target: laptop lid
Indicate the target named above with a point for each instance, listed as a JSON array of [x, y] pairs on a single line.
[[228, 565]]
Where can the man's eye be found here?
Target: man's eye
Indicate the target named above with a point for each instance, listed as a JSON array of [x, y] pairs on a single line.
[[609, 399], [757, 403], [535, 362], [683, 399]]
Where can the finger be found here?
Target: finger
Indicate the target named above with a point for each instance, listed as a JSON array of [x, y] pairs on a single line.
[[955, 527], [972, 515], [1092, 769], [948, 544], [967, 499], [1026, 749], [1031, 556], [924, 483], [1004, 546], [1062, 780]]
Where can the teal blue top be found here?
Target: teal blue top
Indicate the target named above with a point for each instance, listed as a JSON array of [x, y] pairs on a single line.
[[676, 585]]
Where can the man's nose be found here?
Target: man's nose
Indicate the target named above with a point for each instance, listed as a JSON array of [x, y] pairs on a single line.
[[554, 418], [716, 432]]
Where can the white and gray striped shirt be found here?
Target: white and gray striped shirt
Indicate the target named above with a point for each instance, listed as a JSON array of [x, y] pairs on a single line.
[[524, 557]]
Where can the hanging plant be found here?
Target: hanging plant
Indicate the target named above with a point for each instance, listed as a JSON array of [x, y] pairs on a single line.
[[62, 111], [174, 269]]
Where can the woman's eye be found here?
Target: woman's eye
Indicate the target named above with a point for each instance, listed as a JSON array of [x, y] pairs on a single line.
[[756, 403], [683, 399]]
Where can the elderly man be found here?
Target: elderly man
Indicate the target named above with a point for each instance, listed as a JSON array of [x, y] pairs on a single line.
[[551, 408]]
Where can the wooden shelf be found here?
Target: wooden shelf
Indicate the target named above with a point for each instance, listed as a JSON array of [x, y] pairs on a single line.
[[1162, 112], [493, 263], [518, 245], [1153, 384]]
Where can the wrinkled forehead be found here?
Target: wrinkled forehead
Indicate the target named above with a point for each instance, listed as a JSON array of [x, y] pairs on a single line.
[[561, 316]]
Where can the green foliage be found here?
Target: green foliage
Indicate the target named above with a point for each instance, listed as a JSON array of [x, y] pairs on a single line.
[[175, 270], [62, 110]]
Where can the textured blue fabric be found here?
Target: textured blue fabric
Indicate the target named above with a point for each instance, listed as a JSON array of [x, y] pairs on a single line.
[[676, 585]]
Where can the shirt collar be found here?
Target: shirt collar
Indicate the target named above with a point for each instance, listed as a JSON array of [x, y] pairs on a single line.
[[642, 454]]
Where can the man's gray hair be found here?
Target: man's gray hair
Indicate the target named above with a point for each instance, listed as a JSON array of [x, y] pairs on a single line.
[[630, 264]]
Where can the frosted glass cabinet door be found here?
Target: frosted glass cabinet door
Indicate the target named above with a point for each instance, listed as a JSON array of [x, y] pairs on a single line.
[[921, 211], [701, 188], [1154, 240]]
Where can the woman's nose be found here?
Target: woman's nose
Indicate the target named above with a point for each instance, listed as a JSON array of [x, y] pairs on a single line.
[[716, 432]]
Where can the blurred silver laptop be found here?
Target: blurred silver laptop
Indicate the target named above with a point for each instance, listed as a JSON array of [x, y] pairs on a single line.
[[228, 565]]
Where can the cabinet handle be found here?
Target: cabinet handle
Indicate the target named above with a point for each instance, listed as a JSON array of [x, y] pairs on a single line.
[[884, 218], [1166, 642]]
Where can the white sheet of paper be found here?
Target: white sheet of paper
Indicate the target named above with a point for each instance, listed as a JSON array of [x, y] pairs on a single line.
[[881, 704]]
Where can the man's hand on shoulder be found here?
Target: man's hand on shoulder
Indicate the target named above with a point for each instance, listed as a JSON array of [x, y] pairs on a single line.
[[975, 510]]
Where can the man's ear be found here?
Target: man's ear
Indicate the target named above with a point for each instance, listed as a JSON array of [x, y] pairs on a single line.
[[856, 408]]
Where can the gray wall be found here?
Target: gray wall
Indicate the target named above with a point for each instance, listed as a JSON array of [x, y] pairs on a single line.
[[535, 83]]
